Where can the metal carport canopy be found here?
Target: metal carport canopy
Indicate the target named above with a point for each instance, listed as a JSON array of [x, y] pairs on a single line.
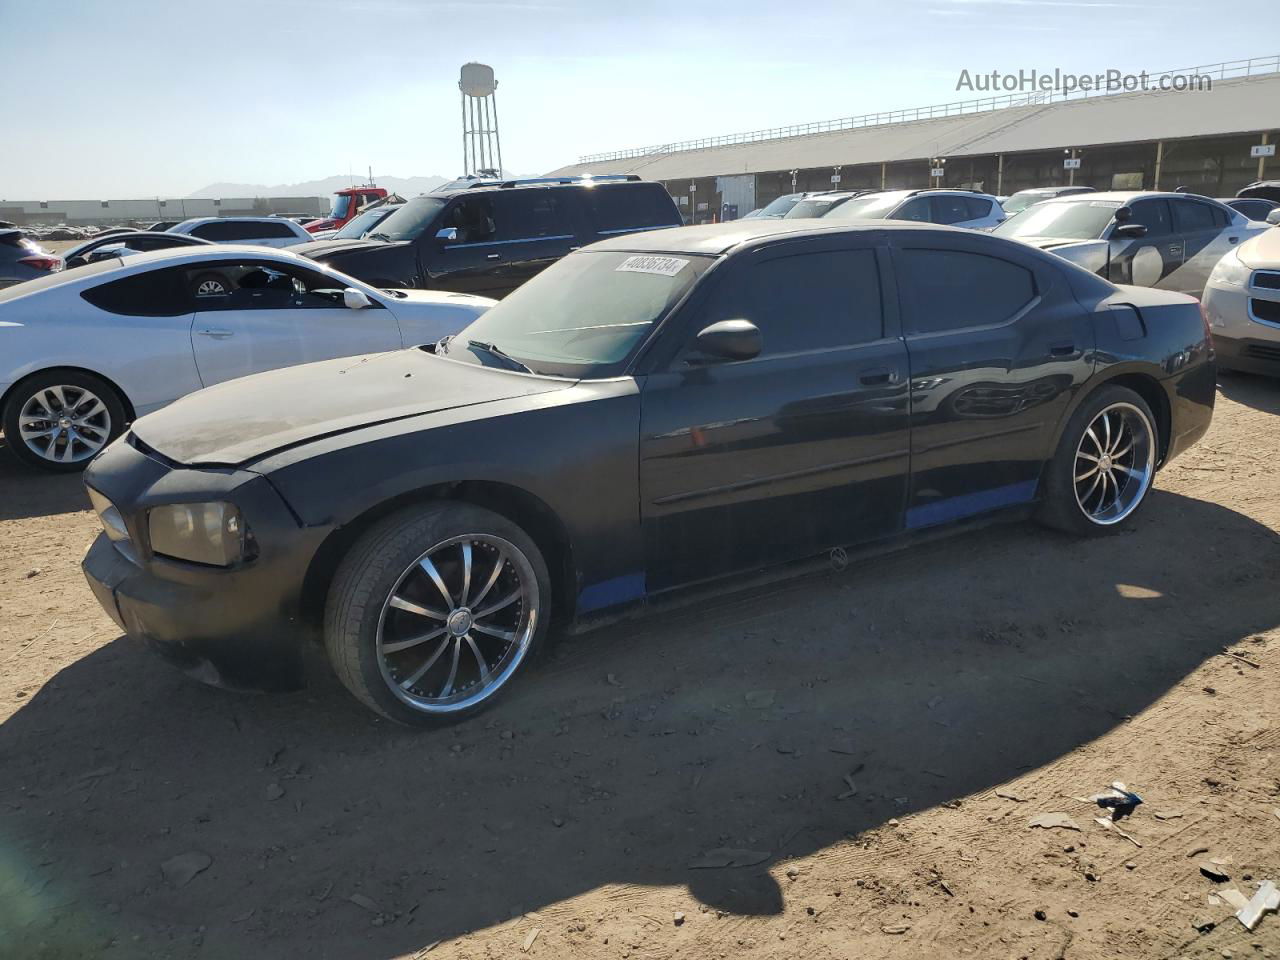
[[1232, 106]]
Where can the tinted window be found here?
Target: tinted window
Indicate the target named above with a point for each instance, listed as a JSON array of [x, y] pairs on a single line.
[[235, 231], [619, 207], [1154, 215], [269, 231], [473, 217], [1190, 216], [1253, 209], [978, 208], [810, 301], [953, 289], [948, 208], [154, 293], [917, 208], [529, 214], [258, 285]]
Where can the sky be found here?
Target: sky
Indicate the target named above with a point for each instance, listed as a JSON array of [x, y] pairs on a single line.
[[113, 99]]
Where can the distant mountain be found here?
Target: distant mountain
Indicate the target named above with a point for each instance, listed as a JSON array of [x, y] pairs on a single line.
[[405, 186]]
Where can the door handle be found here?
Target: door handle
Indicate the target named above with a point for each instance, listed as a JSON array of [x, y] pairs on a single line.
[[1233, 239], [494, 256], [1062, 349], [216, 334], [878, 376]]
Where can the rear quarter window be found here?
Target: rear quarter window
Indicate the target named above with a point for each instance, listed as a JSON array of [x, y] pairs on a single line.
[[153, 293], [619, 207]]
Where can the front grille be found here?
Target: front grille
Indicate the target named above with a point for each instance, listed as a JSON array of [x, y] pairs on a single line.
[[1267, 279], [1259, 351], [1268, 310]]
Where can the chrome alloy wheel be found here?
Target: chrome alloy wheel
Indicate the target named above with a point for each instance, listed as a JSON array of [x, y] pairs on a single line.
[[64, 424], [1115, 461], [458, 623], [211, 288]]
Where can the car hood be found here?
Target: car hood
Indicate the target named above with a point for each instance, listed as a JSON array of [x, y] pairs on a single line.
[[1263, 251], [242, 420], [325, 249]]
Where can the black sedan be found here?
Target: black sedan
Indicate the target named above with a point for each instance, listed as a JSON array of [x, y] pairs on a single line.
[[681, 409]]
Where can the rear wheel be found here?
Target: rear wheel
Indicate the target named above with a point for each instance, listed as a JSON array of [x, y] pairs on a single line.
[[1104, 466], [60, 419], [435, 610]]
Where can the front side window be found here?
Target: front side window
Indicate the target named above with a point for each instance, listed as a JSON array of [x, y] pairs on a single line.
[[1154, 215], [474, 218], [584, 316], [954, 289], [261, 285], [807, 301]]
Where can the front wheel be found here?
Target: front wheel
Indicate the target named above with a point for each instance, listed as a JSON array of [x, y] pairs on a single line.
[[60, 419], [1105, 464], [435, 610]]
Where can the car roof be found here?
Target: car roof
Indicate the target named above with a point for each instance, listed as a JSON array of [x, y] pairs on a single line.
[[195, 221], [713, 239], [1124, 196]]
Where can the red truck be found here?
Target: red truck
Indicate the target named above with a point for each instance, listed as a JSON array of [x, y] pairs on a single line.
[[346, 204]]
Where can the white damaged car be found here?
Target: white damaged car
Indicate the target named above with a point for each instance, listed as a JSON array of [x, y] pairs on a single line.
[[85, 352], [1167, 240]]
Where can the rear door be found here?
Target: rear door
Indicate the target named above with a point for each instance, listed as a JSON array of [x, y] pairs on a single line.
[[536, 228], [997, 346], [278, 316], [1152, 259], [804, 448]]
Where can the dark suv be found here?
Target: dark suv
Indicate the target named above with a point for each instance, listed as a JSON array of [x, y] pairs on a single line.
[[490, 238]]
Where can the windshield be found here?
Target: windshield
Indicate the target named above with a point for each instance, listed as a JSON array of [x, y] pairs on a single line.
[[358, 225], [779, 207], [341, 204], [408, 222], [1079, 220], [1020, 201], [814, 207], [876, 206], [583, 316]]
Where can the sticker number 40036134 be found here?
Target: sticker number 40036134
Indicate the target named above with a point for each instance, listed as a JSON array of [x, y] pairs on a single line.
[[662, 266]]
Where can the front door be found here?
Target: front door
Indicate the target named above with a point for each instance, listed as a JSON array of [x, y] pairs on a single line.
[[263, 315], [1153, 259], [997, 347], [805, 447]]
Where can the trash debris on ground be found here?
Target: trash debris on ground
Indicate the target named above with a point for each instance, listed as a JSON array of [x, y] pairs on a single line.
[[1112, 825], [182, 869], [677, 918], [1051, 821], [528, 941], [851, 792], [1229, 896], [729, 857], [1215, 870], [365, 903], [1267, 899], [1119, 799], [1166, 814], [1010, 795], [896, 928]]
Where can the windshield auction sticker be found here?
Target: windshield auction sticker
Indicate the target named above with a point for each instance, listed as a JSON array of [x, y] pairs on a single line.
[[662, 266]]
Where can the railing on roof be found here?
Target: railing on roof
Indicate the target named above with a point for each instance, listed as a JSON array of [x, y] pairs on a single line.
[[1227, 70]]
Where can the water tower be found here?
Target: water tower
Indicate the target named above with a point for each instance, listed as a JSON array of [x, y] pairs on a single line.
[[481, 148]]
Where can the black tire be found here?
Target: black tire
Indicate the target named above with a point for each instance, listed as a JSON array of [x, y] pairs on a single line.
[[75, 386], [386, 559], [1061, 506], [210, 278]]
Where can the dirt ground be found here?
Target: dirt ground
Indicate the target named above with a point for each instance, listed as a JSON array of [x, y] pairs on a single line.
[[962, 688]]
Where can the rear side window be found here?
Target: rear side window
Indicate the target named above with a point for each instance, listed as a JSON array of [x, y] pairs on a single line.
[[810, 301], [617, 208], [231, 231], [978, 208], [1189, 216], [153, 293], [948, 208], [532, 214], [954, 289]]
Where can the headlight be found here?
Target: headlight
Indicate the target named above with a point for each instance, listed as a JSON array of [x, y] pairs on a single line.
[[211, 533], [1231, 271], [112, 522]]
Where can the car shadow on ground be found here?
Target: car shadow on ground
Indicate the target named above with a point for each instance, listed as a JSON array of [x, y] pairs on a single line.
[[28, 492], [927, 676], [1250, 389]]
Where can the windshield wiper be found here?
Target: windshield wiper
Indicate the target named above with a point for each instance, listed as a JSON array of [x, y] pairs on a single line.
[[494, 351], [377, 236]]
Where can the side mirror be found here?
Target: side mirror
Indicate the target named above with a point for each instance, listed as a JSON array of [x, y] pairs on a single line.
[[447, 234], [731, 340], [1273, 217], [354, 299], [1123, 214], [1130, 230]]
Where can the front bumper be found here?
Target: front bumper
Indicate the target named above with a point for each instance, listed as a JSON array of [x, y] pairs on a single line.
[[239, 627], [1248, 354], [1241, 339]]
